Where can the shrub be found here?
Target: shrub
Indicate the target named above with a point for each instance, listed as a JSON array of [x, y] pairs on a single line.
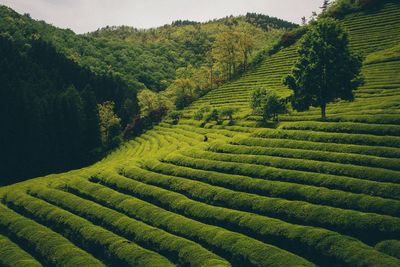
[[232, 245], [277, 189], [186, 251], [288, 39], [12, 255], [212, 116], [238, 245], [51, 247], [348, 184], [227, 112], [99, 241], [175, 116]]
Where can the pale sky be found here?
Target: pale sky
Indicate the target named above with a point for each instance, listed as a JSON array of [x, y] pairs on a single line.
[[83, 16]]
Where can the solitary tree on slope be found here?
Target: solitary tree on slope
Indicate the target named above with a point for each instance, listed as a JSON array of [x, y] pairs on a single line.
[[326, 69]]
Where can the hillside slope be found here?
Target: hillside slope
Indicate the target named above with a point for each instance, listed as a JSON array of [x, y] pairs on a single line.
[[304, 193]]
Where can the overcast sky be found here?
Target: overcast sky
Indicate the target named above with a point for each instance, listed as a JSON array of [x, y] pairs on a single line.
[[88, 15]]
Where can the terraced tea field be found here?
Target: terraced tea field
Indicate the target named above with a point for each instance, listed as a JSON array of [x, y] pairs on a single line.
[[300, 193]]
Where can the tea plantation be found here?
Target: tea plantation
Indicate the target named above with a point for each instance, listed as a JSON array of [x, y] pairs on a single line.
[[298, 192]]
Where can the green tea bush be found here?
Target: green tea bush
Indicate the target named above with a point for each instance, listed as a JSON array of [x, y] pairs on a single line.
[[254, 224], [389, 152], [116, 249], [234, 246], [290, 191], [355, 139], [362, 172], [51, 247], [390, 247], [345, 158], [387, 190], [12, 255], [342, 127], [187, 252], [317, 215]]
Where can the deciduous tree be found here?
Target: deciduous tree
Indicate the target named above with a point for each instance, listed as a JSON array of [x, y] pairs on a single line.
[[326, 69]]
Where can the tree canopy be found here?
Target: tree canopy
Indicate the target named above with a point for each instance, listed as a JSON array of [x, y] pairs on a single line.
[[327, 69]]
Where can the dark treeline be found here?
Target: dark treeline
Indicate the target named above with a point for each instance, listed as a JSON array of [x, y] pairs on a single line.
[[50, 121], [264, 21]]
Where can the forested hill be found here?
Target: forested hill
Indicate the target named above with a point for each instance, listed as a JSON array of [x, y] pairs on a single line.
[[144, 58], [53, 79], [49, 112]]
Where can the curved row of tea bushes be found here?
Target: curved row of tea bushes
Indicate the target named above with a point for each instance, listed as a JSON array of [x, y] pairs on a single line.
[[342, 138], [233, 246], [321, 241], [390, 247], [386, 190], [49, 248], [12, 255], [344, 158], [356, 223], [185, 251], [114, 248], [342, 127], [361, 172], [290, 191], [330, 147]]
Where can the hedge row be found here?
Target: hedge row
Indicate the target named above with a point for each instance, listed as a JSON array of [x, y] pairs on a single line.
[[236, 247], [185, 251], [361, 172], [390, 247], [377, 118], [345, 158], [99, 241], [356, 223], [320, 241], [290, 191], [342, 138], [308, 145], [343, 127], [47, 246], [387, 190], [12, 255]]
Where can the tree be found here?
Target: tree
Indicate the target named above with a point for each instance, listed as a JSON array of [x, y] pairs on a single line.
[[148, 100], [267, 104], [326, 69], [228, 112], [272, 106], [110, 125], [325, 5]]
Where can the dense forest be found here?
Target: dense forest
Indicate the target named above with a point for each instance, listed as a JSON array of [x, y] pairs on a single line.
[[67, 97], [49, 110]]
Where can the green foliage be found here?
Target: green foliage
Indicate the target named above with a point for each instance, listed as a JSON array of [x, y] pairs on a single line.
[[12, 255], [326, 137], [186, 251], [266, 103], [175, 116], [199, 113], [227, 112], [52, 247], [212, 115], [326, 68], [100, 242], [232, 244], [50, 109], [278, 189], [390, 247], [349, 184], [110, 126], [311, 150]]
